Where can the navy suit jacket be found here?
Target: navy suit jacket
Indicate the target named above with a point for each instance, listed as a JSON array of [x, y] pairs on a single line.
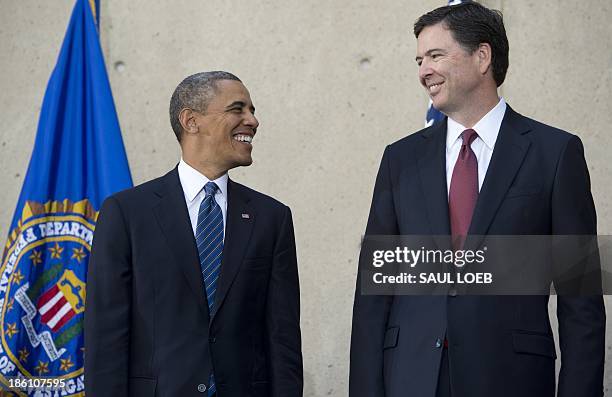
[[148, 329], [537, 183]]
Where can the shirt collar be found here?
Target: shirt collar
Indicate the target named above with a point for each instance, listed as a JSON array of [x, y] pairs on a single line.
[[193, 181], [487, 127]]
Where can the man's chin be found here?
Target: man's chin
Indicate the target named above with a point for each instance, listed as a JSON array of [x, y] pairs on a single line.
[[244, 162], [438, 104]]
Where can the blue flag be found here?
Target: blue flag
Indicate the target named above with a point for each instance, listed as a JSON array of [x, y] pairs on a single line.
[[434, 115], [77, 161]]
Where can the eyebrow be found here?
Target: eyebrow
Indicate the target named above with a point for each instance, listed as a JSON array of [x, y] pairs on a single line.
[[240, 104], [429, 53]]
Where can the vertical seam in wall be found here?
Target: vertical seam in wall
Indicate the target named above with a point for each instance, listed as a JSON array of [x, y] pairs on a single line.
[[104, 30]]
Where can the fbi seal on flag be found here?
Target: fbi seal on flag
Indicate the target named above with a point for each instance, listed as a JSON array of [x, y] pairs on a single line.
[[42, 293]]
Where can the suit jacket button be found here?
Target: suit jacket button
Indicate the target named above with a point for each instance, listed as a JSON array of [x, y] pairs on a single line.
[[201, 387], [212, 339], [438, 343], [452, 292]]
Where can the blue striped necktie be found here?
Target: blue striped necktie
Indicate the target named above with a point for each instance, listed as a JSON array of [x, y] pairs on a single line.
[[209, 238]]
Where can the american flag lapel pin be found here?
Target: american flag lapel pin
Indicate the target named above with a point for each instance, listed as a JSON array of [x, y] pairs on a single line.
[[246, 216]]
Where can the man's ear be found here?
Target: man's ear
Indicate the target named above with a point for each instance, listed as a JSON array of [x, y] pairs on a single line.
[[187, 118], [485, 57]]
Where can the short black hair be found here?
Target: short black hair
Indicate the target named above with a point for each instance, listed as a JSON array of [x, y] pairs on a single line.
[[472, 24], [195, 92]]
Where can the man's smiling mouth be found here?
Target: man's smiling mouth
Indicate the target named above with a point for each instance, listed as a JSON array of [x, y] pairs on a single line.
[[243, 138]]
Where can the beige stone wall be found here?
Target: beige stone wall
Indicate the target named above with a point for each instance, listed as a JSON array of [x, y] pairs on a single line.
[[333, 83]]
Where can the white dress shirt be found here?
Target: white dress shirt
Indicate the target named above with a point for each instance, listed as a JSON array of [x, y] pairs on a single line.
[[193, 187], [487, 129]]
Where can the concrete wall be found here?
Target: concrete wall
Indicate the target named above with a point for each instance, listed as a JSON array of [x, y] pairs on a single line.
[[333, 83]]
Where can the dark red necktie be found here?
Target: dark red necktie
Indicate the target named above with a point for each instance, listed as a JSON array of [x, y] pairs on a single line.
[[463, 190]]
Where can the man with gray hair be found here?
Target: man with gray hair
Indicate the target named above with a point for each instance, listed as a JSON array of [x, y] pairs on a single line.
[[193, 284]]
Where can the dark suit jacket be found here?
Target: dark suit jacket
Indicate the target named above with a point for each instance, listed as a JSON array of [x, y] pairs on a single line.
[[148, 330], [537, 183]]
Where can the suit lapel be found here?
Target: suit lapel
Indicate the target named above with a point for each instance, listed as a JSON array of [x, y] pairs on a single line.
[[173, 218], [508, 155], [432, 172], [239, 225]]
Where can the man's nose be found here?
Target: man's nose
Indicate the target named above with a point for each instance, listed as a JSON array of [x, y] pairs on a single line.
[[251, 121], [424, 69]]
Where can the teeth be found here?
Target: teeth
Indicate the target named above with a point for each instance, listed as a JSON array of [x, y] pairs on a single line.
[[433, 87], [243, 138]]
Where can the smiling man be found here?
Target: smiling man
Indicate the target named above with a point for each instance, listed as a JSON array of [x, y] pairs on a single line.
[[192, 287], [483, 170]]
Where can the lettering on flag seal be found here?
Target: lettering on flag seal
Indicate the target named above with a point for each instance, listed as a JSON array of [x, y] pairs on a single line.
[[42, 293]]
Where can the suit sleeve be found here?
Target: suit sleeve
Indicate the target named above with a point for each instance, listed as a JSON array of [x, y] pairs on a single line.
[[108, 306], [582, 318], [370, 312], [283, 316]]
